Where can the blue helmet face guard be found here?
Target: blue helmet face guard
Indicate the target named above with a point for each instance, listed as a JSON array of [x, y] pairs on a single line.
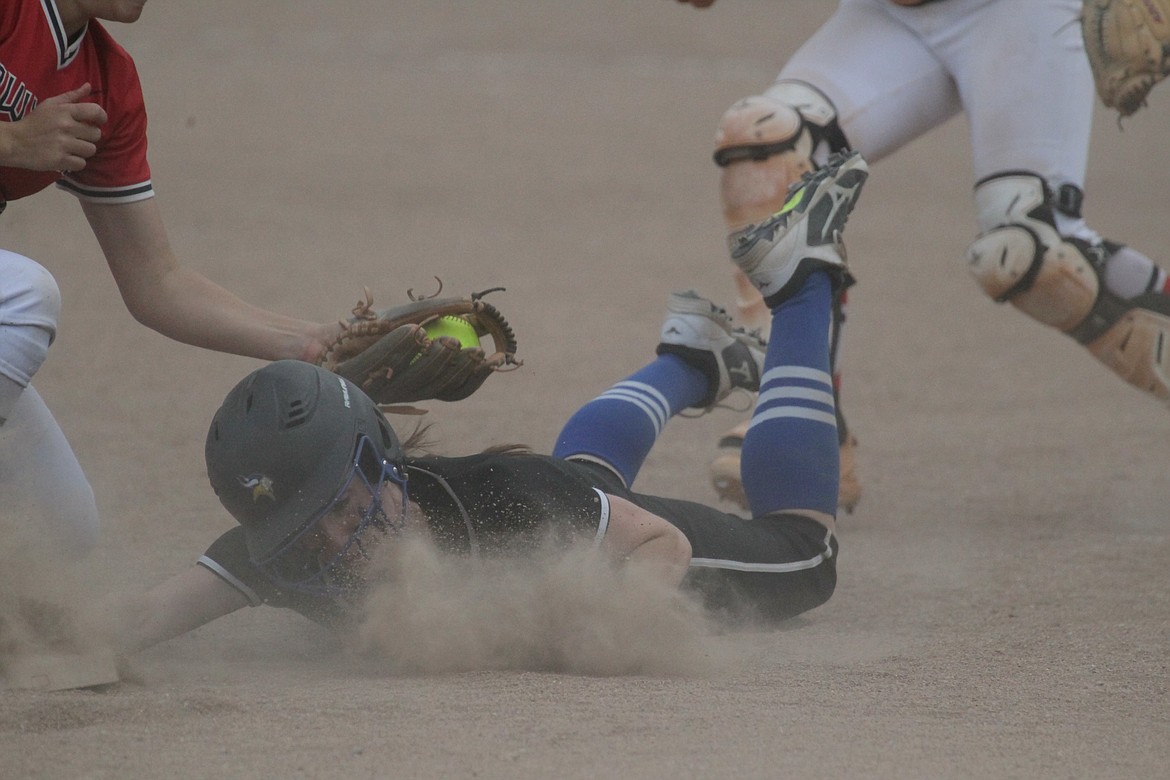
[[298, 566]]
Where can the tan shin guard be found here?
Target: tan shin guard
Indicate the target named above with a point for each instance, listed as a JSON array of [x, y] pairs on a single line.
[[751, 189], [1136, 348], [1060, 287]]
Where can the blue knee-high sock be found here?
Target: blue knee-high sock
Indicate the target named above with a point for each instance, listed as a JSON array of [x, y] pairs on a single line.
[[790, 457], [621, 425]]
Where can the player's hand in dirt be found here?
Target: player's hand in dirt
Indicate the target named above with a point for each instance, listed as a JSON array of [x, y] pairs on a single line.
[[60, 134]]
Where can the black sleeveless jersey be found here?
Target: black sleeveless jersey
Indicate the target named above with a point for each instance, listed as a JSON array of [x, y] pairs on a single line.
[[771, 567], [479, 504]]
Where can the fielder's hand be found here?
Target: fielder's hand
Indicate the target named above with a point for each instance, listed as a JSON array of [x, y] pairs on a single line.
[[60, 134]]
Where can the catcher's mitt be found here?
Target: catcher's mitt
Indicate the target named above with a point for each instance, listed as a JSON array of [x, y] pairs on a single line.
[[389, 354], [1128, 43]]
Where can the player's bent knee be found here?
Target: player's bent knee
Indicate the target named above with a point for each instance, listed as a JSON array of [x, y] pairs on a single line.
[[28, 293], [757, 128], [30, 306], [814, 589], [762, 146], [1056, 286], [766, 142], [1021, 258]]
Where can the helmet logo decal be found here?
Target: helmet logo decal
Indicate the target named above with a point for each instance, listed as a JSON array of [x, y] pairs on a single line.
[[260, 485], [344, 392]]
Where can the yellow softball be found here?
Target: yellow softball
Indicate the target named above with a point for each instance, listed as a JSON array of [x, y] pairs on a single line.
[[456, 327]]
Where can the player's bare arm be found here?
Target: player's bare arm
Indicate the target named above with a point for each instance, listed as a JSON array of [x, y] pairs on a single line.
[[643, 538], [186, 306], [175, 606], [60, 134]]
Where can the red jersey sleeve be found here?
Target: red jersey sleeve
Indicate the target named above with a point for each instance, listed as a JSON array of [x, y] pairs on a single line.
[[118, 172]]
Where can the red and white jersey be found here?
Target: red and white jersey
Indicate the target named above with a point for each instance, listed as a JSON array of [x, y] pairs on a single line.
[[39, 61]]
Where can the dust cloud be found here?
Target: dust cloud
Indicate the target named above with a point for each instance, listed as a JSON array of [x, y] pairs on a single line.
[[564, 611], [42, 587]]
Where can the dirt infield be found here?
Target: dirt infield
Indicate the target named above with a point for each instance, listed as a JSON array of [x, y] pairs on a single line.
[[1003, 608]]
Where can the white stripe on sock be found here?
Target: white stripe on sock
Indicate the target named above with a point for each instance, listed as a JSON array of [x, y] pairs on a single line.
[[796, 372], [802, 393], [654, 407], [800, 412], [651, 391]]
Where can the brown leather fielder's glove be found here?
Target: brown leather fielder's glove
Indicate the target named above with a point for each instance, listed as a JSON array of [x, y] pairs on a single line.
[[389, 354], [1128, 43]]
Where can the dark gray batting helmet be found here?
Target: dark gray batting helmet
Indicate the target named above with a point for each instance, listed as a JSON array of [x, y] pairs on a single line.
[[282, 446]]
